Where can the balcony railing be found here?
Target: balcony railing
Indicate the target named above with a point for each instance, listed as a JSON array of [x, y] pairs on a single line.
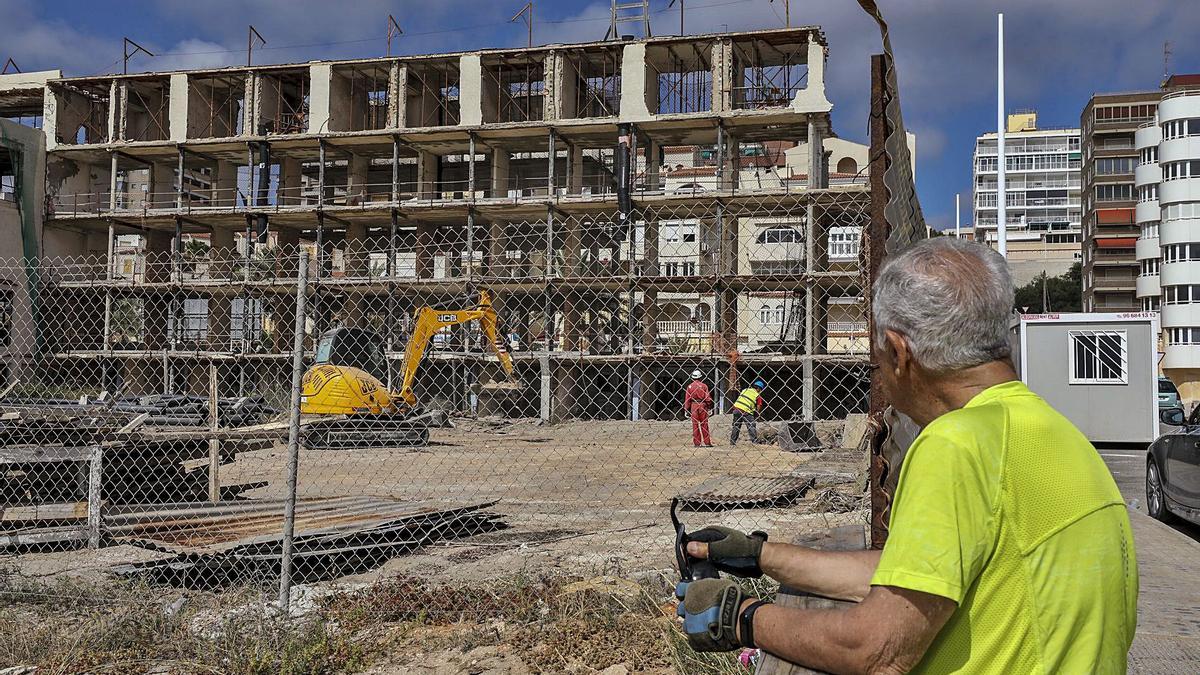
[[673, 328]]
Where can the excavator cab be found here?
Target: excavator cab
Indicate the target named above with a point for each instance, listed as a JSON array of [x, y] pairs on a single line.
[[360, 348]]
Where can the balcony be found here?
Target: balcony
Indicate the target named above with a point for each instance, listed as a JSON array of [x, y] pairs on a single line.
[[683, 328]]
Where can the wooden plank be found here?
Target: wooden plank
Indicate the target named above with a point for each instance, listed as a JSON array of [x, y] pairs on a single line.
[[39, 455], [843, 538], [57, 511]]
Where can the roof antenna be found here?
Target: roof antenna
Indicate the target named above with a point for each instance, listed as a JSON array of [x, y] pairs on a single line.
[[1166, 60], [250, 43], [527, 10], [128, 54], [393, 29], [10, 62]]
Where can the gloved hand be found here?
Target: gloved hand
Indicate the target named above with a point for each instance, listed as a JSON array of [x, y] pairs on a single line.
[[731, 550], [710, 610]]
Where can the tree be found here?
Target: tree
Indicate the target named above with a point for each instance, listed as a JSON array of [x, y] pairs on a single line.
[[1061, 294]]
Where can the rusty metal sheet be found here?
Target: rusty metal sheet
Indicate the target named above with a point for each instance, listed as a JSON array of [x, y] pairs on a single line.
[[198, 528], [727, 492]]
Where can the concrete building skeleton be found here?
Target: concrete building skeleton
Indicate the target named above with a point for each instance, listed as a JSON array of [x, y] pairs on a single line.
[[423, 179]]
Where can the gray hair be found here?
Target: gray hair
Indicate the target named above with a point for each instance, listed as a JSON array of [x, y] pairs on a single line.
[[951, 299]]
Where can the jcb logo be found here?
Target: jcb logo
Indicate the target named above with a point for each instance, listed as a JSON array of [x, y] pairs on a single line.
[[446, 318]]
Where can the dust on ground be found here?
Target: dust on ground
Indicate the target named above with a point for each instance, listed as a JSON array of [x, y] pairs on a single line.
[[583, 500]]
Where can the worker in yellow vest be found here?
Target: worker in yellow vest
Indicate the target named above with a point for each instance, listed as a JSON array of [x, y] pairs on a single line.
[[745, 411]]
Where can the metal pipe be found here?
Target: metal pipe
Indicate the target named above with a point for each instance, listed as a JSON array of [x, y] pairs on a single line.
[[1001, 199], [293, 463]]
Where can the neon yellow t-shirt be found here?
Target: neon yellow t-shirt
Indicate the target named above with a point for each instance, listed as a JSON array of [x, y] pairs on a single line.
[[1006, 508]]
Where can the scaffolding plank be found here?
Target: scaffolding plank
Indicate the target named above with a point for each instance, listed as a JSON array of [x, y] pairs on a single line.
[[725, 492]]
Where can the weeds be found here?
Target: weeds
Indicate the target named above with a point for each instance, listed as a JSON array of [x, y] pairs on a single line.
[[551, 625]]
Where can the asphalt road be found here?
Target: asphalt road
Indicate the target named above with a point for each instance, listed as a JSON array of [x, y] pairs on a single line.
[[1128, 467]]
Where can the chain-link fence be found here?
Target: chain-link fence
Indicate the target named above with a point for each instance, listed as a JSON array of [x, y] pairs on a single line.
[[477, 398]]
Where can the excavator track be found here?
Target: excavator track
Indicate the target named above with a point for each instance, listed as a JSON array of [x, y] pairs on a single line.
[[367, 432]]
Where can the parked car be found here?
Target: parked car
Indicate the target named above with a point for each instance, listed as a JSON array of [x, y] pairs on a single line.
[[1168, 395], [1173, 468]]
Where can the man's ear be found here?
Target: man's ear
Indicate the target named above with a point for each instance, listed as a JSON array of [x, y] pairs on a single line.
[[897, 347]]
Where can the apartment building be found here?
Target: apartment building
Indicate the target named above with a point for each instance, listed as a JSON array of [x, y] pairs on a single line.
[[1110, 224], [1042, 186], [538, 174], [1168, 214]]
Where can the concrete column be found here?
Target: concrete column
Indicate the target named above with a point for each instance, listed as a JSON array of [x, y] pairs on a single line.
[[425, 251], [570, 250], [563, 407], [158, 270], [545, 397], [501, 164], [357, 169], [223, 256], [427, 174], [290, 172], [357, 263], [812, 97], [397, 91], [818, 169], [730, 161], [161, 189], [722, 75], [647, 394], [639, 84], [224, 184], [653, 178], [179, 106], [574, 169], [496, 245], [470, 88], [117, 99], [319, 99]]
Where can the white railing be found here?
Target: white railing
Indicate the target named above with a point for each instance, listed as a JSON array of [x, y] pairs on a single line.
[[847, 327], [683, 327]]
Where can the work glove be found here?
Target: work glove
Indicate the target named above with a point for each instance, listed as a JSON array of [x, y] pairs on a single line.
[[731, 550], [710, 610]]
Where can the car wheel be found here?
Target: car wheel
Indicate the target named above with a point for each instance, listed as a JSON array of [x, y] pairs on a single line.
[[1156, 501]]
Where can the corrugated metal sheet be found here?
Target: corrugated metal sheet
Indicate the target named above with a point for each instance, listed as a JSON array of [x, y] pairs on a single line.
[[199, 528]]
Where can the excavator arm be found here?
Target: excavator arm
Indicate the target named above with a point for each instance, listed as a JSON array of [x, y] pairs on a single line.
[[430, 321]]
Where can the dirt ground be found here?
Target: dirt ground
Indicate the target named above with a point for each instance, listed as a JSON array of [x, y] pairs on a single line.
[[582, 500]]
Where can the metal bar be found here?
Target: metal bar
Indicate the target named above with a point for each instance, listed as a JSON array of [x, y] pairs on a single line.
[[872, 260], [95, 474], [214, 444], [293, 463]]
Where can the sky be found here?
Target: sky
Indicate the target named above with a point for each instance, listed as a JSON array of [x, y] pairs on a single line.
[[1058, 52]]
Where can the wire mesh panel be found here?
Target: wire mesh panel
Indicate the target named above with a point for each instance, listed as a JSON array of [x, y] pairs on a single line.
[[485, 393]]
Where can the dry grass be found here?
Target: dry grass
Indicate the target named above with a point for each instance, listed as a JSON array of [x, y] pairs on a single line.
[[548, 625]]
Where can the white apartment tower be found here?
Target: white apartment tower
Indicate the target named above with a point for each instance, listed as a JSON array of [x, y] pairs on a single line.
[[1042, 185], [1168, 212]]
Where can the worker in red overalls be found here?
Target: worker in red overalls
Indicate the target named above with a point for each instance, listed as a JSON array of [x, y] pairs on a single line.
[[697, 401]]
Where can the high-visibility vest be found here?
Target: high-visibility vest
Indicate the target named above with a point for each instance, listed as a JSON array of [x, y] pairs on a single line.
[[746, 400]]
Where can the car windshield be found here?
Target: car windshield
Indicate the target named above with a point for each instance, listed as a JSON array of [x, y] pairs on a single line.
[[1166, 387]]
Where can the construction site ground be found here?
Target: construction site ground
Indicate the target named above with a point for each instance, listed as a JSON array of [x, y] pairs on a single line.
[[586, 502], [577, 583]]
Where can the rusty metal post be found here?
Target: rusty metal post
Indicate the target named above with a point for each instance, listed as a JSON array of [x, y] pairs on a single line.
[[872, 260], [293, 461]]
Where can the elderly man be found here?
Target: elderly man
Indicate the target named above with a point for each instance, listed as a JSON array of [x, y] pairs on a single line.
[[1010, 549]]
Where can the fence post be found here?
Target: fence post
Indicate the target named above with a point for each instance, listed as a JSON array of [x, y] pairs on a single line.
[[289, 509], [94, 514], [214, 444]]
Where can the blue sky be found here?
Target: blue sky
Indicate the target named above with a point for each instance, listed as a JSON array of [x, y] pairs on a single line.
[[1059, 51]]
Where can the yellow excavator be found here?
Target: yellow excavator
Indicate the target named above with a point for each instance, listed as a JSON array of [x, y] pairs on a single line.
[[347, 380]]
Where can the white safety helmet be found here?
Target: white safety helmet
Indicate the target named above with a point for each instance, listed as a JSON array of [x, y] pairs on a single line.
[[696, 375]]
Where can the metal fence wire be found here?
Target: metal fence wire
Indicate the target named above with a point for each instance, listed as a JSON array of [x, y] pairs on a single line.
[[474, 398]]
